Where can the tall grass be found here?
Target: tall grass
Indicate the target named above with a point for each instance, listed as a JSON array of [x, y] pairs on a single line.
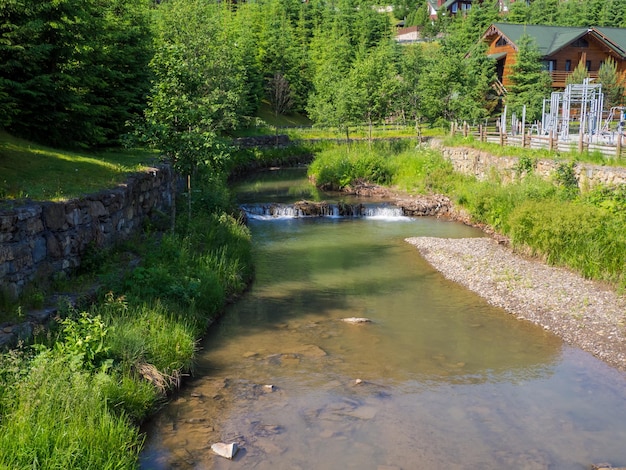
[[59, 418]]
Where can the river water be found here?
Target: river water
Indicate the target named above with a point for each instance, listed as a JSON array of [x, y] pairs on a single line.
[[438, 379]]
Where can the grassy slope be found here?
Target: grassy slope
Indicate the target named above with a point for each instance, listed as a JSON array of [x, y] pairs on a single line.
[[28, 170]]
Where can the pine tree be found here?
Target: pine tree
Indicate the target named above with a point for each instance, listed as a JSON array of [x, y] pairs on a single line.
[[612, 83], [530, 83]]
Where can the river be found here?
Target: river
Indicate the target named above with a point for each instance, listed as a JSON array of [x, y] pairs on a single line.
[[438, 379]]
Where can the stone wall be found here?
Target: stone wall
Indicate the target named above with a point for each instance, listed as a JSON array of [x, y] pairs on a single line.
[[482, 164], [38, 239]]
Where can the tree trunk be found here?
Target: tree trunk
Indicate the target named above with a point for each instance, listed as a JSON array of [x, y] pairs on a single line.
[[173, 208]]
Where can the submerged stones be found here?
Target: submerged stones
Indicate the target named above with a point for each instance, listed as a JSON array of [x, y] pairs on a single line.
[[227, 451], [356, 320]]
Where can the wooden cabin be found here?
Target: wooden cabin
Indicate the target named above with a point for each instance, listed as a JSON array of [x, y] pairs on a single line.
[[454, 7], [562, 49]]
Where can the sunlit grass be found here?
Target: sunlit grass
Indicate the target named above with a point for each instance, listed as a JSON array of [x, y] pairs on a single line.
[[28, 170]]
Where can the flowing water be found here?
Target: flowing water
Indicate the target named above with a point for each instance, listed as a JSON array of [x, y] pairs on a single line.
[[438, 379]]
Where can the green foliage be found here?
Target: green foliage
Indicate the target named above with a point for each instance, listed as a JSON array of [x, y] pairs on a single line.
[[525, 165], [83, 343], [152, 334], [72, 72], [199, 91], [530, 84], [613, 85], [612, 199], [579, 74], [565, 177], [342, 166], [45, 173]]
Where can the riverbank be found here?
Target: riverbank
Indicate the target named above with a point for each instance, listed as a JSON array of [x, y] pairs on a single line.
[[584, 313]]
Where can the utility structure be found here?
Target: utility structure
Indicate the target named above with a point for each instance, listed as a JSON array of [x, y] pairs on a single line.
[[581, 104]]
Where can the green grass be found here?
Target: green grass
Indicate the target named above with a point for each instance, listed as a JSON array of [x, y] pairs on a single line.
[[37, 172]]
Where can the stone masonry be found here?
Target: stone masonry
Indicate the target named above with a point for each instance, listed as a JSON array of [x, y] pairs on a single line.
[[482, 164], [41, 238]]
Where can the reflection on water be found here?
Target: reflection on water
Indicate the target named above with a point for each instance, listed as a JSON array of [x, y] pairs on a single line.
[[438, 379]]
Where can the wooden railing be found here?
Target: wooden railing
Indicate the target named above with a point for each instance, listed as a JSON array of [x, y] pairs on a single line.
[[610, 146], [559, 77]]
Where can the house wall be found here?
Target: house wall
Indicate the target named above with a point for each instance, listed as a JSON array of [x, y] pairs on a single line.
[[509, 60], [596, 53], [39, 239]]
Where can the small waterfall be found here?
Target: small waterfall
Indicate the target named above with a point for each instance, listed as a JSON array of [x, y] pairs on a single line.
[[322, 209]]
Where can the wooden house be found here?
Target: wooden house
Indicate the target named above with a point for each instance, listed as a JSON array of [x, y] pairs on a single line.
[[454, 7], [562, 49]]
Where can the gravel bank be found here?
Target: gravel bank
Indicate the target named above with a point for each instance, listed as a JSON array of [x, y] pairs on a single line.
[[584, 313]]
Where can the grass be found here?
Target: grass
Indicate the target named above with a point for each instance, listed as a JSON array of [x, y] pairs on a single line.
[[40, 173]]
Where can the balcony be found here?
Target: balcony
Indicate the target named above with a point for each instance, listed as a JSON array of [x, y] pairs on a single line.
[[559, 77]]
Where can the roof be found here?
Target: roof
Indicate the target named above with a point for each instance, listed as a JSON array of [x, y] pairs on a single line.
[[551, 39], [615, 37]]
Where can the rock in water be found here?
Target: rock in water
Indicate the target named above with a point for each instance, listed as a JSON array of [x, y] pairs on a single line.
[[225, 450], [356, 320]]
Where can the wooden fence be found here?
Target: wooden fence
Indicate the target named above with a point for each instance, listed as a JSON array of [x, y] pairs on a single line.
[[486, 133]]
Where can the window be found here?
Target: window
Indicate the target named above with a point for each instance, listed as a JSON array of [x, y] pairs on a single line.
[[501, 41], [588, 65], [580, 42], [568, 65], [549, 65], [454, 8]]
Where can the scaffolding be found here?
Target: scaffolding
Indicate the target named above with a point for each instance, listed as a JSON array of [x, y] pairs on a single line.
[[581, 104]]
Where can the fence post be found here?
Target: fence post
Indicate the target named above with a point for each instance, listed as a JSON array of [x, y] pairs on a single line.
[[581, 138], [551, 140], [618, 149]]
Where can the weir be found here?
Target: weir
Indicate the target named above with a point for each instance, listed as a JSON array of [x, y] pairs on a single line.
[[321, 209]]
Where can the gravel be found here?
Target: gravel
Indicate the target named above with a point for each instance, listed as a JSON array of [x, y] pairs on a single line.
[[584, 313]]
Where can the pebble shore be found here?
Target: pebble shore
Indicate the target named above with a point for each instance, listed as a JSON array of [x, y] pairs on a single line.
[[584, 313]]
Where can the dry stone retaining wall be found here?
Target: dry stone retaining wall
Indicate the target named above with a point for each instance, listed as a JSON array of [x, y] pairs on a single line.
[[482, 164], [38, 239]]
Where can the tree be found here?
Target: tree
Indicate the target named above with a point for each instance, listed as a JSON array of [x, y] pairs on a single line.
[[412, 68], [74, 70], [332, 101], [199, 90], [612, 83], [374, 79], [578, 75], [519, 13], [279, 94], [530, 83]]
